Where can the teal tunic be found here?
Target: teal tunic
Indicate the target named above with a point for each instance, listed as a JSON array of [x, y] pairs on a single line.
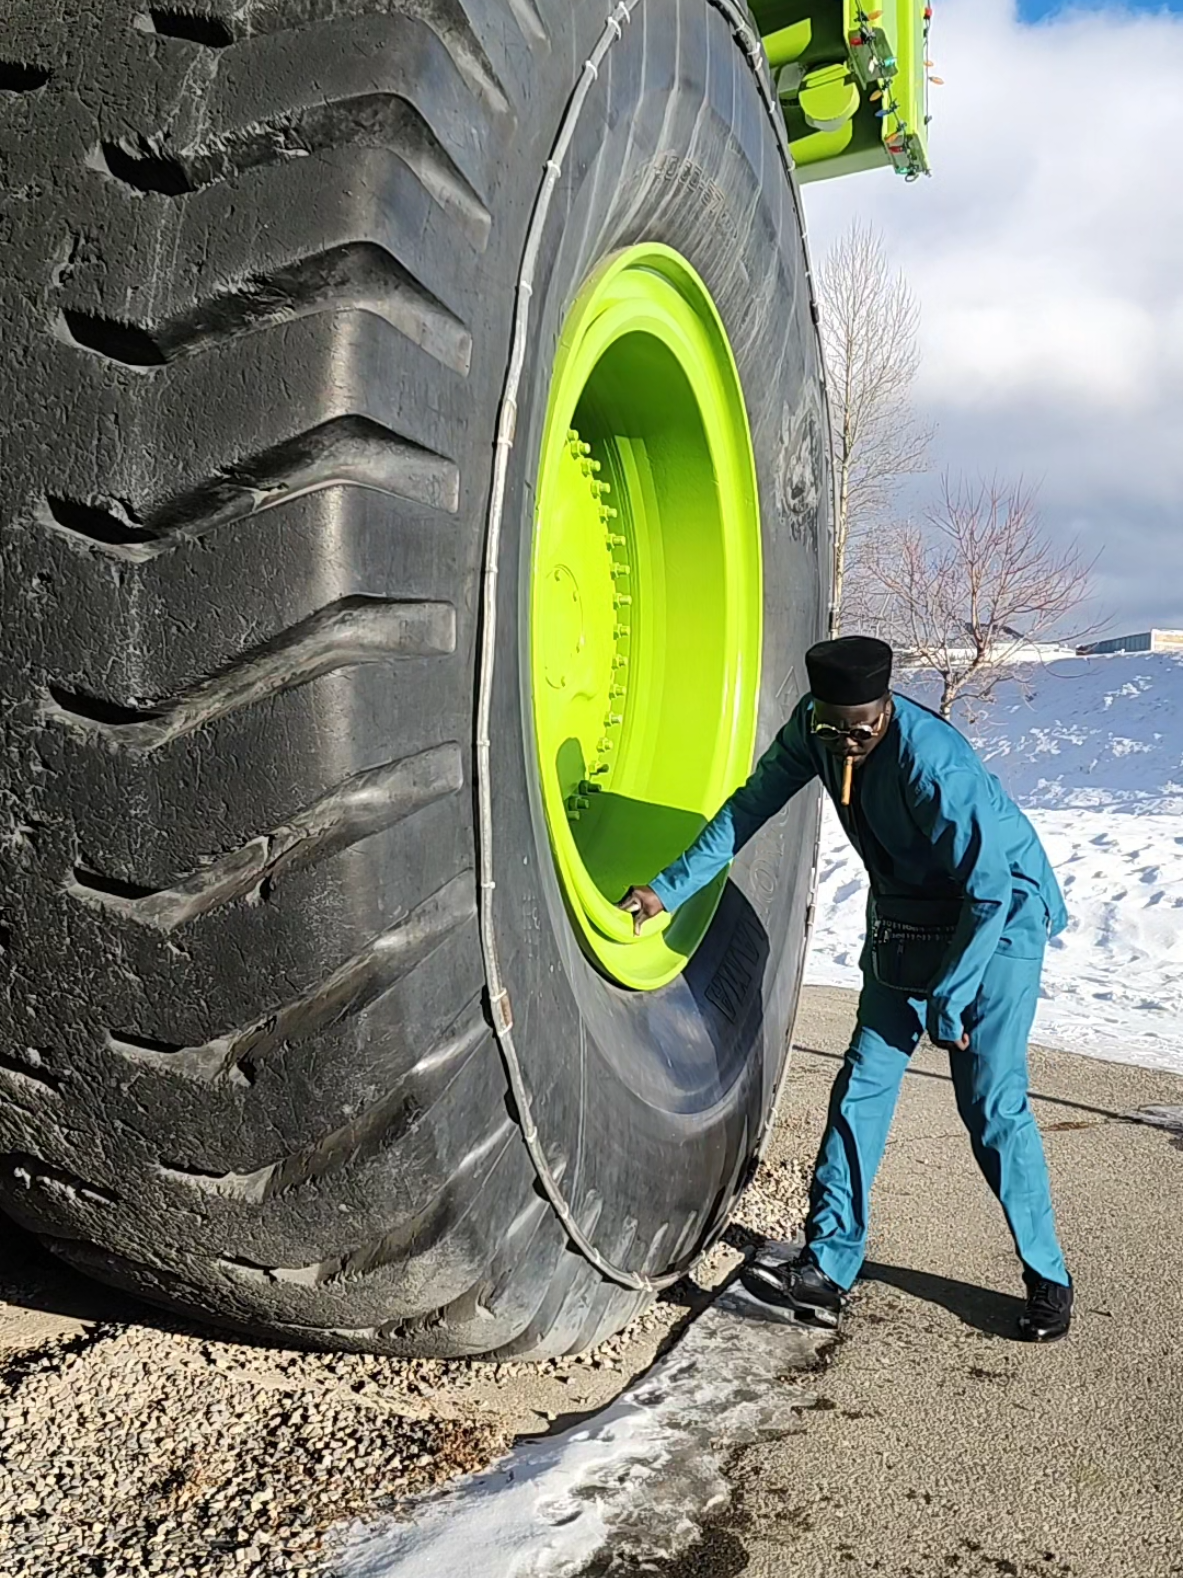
[[929, 822]]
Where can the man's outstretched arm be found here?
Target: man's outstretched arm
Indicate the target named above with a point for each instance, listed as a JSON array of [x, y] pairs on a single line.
[[786, 767]]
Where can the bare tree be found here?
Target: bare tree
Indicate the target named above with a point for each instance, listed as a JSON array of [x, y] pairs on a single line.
[[965, 592], [869, 323]]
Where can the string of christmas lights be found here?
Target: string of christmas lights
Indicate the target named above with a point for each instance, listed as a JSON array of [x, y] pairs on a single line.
[[881, 68]]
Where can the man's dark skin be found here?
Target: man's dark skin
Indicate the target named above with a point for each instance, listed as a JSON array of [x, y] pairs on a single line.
[[643, 904]]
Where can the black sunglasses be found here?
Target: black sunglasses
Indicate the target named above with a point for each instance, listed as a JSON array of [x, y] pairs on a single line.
[[860, 733]]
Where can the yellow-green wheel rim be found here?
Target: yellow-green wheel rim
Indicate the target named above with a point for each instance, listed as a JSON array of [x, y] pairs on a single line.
[[645, 599]]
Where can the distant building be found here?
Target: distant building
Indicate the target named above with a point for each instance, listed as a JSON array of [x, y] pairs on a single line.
[[1013, 651], [1144, 641]]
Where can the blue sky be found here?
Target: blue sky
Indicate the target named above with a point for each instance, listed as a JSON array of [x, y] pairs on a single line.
[[1047, 255], [1043, 10]]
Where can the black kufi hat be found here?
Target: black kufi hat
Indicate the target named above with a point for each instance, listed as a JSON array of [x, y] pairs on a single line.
[[849, 672]]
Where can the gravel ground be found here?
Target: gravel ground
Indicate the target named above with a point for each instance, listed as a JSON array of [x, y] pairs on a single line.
[[133, 1444], [134, 1449]]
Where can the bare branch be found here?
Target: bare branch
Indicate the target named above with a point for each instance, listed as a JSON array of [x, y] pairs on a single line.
[[964, 592], [869, 328]]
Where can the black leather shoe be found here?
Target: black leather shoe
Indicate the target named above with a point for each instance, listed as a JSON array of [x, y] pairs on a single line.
[[798, 1285], [1049, 1309]]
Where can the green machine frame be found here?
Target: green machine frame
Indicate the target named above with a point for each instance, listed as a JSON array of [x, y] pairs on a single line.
[[853, 83]]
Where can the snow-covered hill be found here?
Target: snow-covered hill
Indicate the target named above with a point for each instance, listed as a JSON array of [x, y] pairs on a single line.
[[1095, 757]]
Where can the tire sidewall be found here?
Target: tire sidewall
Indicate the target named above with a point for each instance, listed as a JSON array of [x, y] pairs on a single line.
[[651, 1103]]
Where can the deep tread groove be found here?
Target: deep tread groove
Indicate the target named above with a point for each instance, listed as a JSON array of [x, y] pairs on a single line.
[[350, 988], [348, 450], [372, 120], [94, 523], [144, 1049], [355, 630], [445, 18], [27, 1171], [359, 276], [375, 1129], [355, 810], [109, 892], [138, 165], [34, 1072], [195, 27], [19, 76], [118, 342], [106, 715]]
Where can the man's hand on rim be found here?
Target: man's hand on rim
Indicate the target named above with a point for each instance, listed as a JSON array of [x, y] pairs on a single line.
[[642, 904]]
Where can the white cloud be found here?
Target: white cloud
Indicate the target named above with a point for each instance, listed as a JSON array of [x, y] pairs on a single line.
[[1047, 253]]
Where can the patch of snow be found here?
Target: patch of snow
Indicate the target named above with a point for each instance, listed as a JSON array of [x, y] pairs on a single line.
[[632, 1483], [1092, 749]]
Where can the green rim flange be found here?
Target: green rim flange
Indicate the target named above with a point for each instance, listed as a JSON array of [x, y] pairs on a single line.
[[645, 599]]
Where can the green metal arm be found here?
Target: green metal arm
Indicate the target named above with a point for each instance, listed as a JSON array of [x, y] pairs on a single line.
[[853, 82]]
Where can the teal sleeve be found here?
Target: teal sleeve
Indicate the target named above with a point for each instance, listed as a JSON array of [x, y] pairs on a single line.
[[786, 766], [958, 816]]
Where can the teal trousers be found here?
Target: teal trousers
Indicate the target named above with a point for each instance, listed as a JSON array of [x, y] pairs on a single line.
[[990, 1082]]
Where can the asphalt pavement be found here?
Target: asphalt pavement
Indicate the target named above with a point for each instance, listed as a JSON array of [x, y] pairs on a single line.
[[943, 1446]]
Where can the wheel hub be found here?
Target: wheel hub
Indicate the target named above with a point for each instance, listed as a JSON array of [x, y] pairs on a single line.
[[585, 607]]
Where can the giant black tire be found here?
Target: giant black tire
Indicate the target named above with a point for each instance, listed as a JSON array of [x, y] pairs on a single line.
[[260, 284]]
